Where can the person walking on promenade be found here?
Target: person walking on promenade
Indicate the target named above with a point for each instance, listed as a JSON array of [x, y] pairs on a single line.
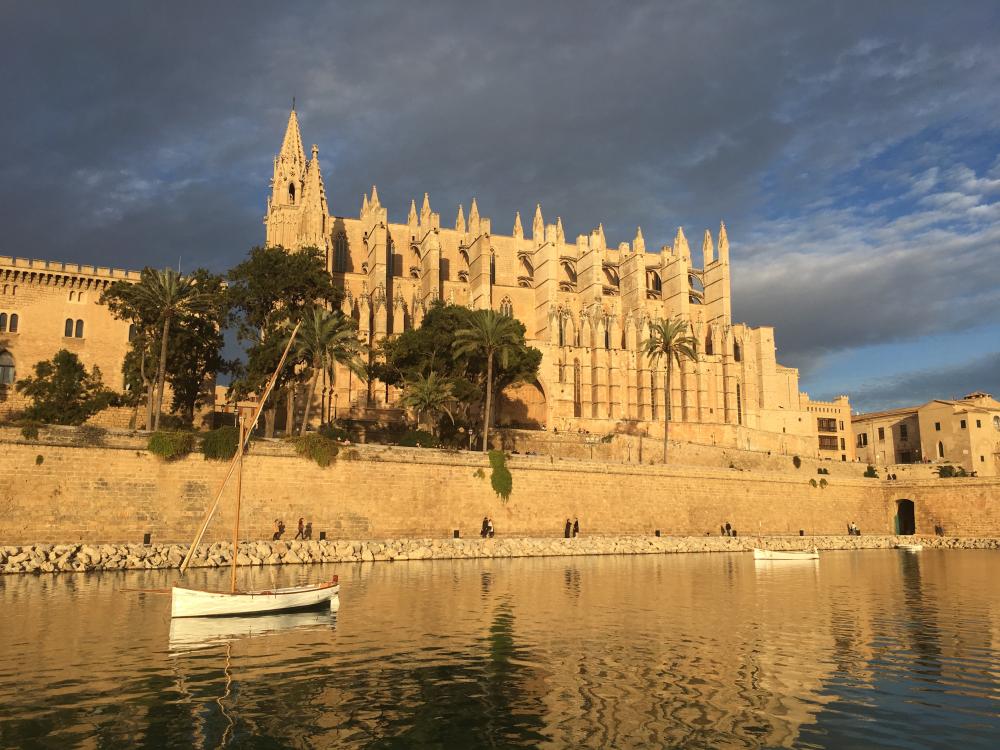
[[569, 529], [489, 526], [576, 527], [279, 529], [309, 531], [301, 533], [485, 530], [729, 529]]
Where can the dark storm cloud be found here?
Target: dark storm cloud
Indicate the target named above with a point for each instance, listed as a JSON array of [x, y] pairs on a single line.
[[138, 132], [978, 374]]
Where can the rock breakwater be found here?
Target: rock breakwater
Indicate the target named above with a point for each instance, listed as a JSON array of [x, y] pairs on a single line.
[[53, 558]]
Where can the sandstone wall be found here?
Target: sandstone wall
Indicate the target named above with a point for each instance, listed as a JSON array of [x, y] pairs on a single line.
[[56, 492]]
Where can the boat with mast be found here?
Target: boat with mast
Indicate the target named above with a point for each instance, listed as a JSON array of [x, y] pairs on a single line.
[[189, 602]]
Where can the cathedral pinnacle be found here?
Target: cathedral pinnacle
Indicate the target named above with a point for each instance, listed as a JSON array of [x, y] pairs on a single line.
[[425, 210], [560, 234], [639, 243], [473, 214], [723, 243], [707, 249], [375, 201], [538, 225], [291, 147], [411, 218], [460, 220], [681, 248], [518, 229]]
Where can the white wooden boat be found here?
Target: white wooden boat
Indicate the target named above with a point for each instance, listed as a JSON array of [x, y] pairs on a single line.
[[186, 602], [770, 554], [910, 547]]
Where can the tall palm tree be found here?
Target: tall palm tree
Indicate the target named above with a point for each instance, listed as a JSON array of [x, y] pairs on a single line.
[[325, 339], [432, 393], [670, 339], [170, 297], [489, 335]]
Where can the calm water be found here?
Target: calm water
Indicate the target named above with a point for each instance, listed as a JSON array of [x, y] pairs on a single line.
[[862, 649]]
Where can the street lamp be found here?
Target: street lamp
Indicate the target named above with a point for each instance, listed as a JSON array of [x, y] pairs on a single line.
[[335, 397]]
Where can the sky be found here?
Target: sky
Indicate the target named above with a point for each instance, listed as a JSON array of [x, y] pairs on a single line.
[[852, 148]]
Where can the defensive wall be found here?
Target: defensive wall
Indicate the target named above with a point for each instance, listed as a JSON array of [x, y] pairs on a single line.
[[55, 491]]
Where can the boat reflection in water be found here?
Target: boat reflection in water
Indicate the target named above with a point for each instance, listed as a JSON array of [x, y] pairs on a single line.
[[192, 633]]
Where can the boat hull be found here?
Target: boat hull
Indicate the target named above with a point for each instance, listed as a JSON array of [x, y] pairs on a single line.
[[768, 554], [196, 603], [910, 547]]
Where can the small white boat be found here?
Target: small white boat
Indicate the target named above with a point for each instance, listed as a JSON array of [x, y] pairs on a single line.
[[910, 547], [196, 603], [770, 554]]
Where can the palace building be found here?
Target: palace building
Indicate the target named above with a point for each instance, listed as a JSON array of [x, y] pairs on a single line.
[[586, 305]]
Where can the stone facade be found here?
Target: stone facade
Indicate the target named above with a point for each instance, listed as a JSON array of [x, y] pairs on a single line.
[[963, 432], [47, 306], [586, 305], [116, 492]]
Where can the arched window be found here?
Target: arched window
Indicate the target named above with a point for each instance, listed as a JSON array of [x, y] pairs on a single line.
[[6, 368], [68, 328], [291, 193], [607, 336], [72, 296], [940, 449], [493, 269], [737, 352], [709, 349], [13, 322], [340, 253], [3, 322], [80, 297], [562, 331], [739, 404], [507, 307], [79, 329]]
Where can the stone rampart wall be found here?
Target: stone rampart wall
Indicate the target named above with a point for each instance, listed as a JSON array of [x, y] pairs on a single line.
[[57, 492]]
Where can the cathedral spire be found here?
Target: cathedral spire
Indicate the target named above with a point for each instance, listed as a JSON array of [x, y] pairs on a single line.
[[312, 226], [291, 147], [425, 211], [460, 220], [723, 243], [518, 229], [538, 225], [375, 201], [639, 243], [560, 234], [707, 249], [411, 218], [473, 215], [681, 248], [364, 205]]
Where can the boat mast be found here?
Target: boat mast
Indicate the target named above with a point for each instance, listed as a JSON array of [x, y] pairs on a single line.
[[239, 496]]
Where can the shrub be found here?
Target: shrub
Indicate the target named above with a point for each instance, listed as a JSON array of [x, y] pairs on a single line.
[[947, 471], [870, 472], [812, 482], [796, 461], [823, 483], [29, 430], [220, 444], [418, 439], [170, 446], [501, 479], [333, 432], [317, 448], [39, 459]]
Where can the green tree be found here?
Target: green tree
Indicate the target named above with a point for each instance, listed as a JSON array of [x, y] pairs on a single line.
[[268, 291], [160, 299], [326, 339], [669, 339], [428, 394], [63, 392], [489, 337]]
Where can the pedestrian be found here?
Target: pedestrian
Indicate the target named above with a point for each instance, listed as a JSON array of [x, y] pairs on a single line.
[[569, 529], [485, 529], [301, 533], [309, 531], [729, 529], [489, 526], [279, 529], [722, 530], [576, 527]]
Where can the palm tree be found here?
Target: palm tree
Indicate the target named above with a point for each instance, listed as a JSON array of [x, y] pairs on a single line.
[[489, 335], [669, 338], [428, 394], [170, 297], [326, 338]]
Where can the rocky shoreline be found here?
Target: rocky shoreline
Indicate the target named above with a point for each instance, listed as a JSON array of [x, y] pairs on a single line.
[[53, 558]]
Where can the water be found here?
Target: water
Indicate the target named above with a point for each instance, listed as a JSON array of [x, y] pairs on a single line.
[[862, 649]]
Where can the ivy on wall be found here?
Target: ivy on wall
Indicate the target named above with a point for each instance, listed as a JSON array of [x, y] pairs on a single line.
[[500, 479]]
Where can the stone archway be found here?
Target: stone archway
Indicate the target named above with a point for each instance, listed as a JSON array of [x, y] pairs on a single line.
[[905, 519]]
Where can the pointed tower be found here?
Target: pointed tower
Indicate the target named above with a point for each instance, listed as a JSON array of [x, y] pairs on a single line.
[[425, 212], [681, 247], [518, 229], [313, 225], [723, 243], [287, 184], [364, 205], [707, 250], [717, 282], [639, 243], [460, 220], [538, 226], [411, 217], [375, 201], [474, 218], [560, 234]]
